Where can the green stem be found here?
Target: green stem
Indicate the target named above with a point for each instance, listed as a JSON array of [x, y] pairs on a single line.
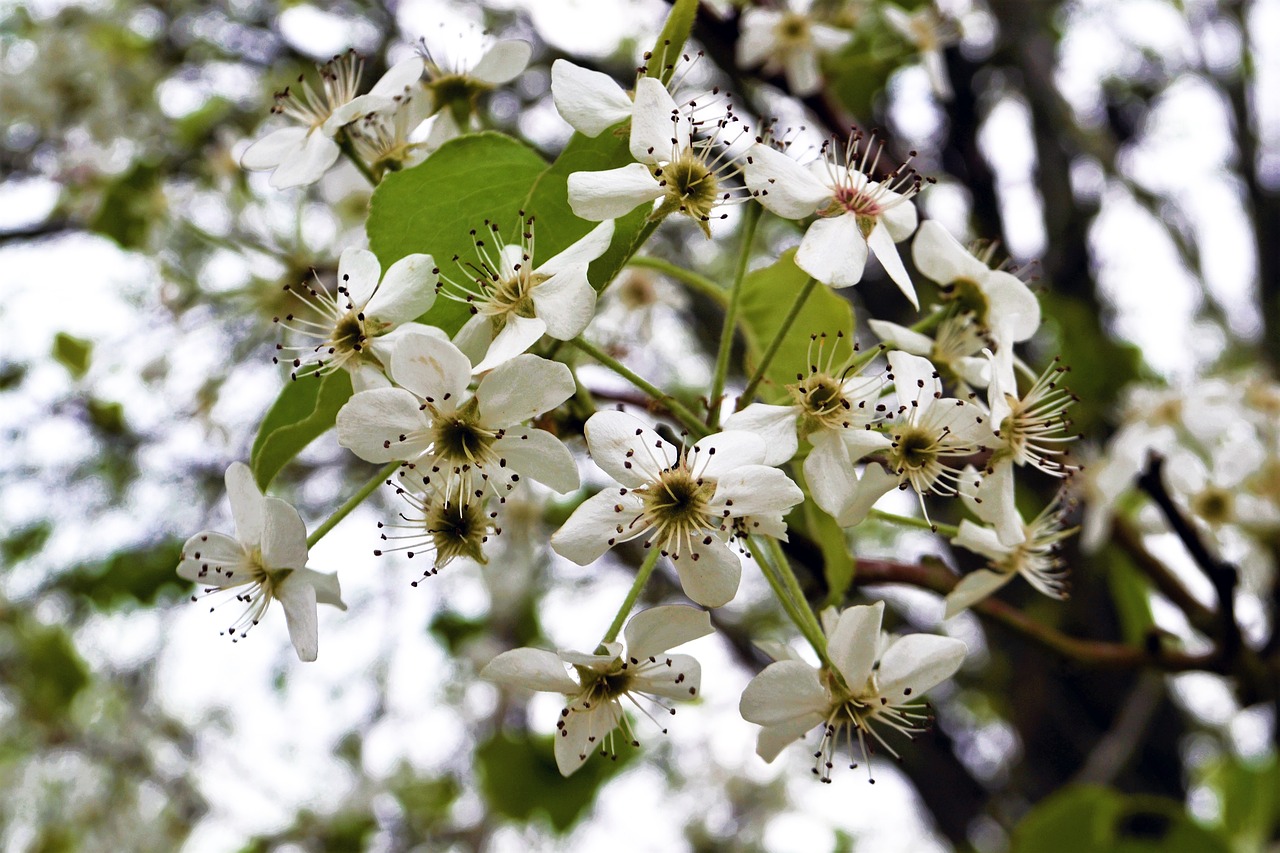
[[948, 530], [637, 586], [750, 220], [344, 144], [793, 584], [691, 421], [352, 502], [774, 345], [929, 322], [797, 612], [697, 282]]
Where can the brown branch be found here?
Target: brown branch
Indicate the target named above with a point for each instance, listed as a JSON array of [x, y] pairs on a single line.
[[1201, 617]]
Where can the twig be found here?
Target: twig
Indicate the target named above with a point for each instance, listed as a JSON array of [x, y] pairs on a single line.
[[1201, 617]]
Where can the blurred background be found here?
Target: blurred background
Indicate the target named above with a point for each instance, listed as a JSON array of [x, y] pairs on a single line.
[[1125, 154]]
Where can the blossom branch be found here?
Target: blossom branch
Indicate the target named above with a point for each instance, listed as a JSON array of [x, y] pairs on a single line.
[[637, 586], [352, 502], [1201, 617]]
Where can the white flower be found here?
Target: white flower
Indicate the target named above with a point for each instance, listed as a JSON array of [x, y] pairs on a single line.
[[355, 325], [265, 561], [440, 528], [1000, 302], [590, 101], [833, 406], [454, 85], [680, 160], [1034, 555], [789, 40], [462, 445], [929, 34], [515, 300], [955, 349], [924, 430], [402, 136], [594, 709], [856, 215], [684, 500], [301, 155], [858, 698]]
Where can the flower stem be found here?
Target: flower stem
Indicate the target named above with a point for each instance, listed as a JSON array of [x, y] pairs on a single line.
[[793, 584], [774, 345], [352, 502], [682, 412], [697, 282], [750, 219], [349, 150], [797, 611], [948, 530], [637, 586]]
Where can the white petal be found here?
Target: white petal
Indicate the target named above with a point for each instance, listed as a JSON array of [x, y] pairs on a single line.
[[532, 669], [827, 39], [916, 663], [658, 129], [211, 559], [875, 482], [899, 218], [674, 677], [474, 337], [756, 490], [584, 732], [358, 274], [366, 376], [900, 337], [833, 251], [999, 504], [371, 422], [974, 587], [538, 454], [587, 533], [307, 164], [328, 590], [591, 246], [596, 196], [284, 536], [756, 40], [712, 579], [854, 643], [1011, 306], [247, 507], [941, 258], [721, 452], [566, 302], [503, 62], [522, 388], [274, 148], [829, 472], [781, 184], [773, 739], [516, 337], [590, 101], [980, 540], [882, 246], [407, 291], [803, 76], [626, 449], [403, 74], [861, 443], [432, 368], [775, 424], [654, 631], [783, 691], [299, 602]]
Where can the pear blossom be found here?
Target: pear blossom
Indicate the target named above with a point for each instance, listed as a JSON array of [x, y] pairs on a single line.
[[439, 527], [356, 322], [590, 101], [929, 34], [681, 161], [832, 405], [400, 137], [515, 300], [265, 561], [789, 40], [872, 685], [454, 85], [301, 155], [465, 445], [856, 215], [684, 500], [955, 349], [640, 668], [1033, 554], [924, 431]]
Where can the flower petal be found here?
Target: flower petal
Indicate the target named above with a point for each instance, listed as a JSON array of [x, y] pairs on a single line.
[[872, 486], [756, 40], [532, 669], [274, 148], [672, 677], [717, 454], [658, 128], [408, 291], [829, 472], [591, 246], [974, 587], [566, 302], [900, 337], [773, 739], [358, 274], [781, 184], [941, 258], [654, 631], [1011, 306], [783, 691], [854, 642], [371, 422], [538, 454], [833, 251], [211, 559], [432, 368], [593, 527], [803, 76], [284, 536], [915, 379], [403, 74], [517, 335], [590, 101], [299, 601], [918, 662], [626, 449], [522, 388], [882, 246], [247, 507], [709, 573], [756, 490], [307, 164], [474, 338], [597, 196], [328, 590], [583, 731], [776, 425], [503, 62]]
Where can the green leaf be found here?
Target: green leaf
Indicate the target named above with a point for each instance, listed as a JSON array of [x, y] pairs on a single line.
[[675, 32], [838, 564], [75, 354], [306, 408], [519, 778], [1100, 820], [1249, 794], [767, 296]]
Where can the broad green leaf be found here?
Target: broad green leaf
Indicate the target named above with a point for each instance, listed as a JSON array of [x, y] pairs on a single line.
[[75, 354], [1249, 795], [675, 32], [767, 296], [305, 409], [519, 778], [1104, 821]]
